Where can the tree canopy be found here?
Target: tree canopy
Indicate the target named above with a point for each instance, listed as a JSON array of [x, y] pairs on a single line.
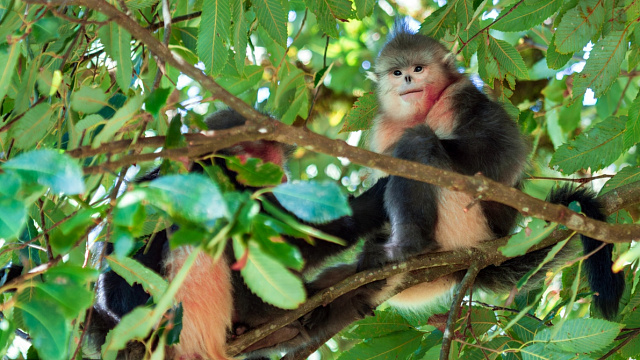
[[94, 92]]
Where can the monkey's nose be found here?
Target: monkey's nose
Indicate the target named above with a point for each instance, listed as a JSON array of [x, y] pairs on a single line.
[[407, 79]]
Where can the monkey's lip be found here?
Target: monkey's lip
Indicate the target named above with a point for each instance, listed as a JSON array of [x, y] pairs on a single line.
[[412, 95]]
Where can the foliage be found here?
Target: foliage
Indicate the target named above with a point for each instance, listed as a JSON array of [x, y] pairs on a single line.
[[75, 84]]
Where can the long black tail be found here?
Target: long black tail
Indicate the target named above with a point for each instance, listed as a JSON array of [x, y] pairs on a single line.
[[602, 280]]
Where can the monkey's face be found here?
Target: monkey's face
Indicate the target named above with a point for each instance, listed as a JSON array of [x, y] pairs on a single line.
[[411, 89]]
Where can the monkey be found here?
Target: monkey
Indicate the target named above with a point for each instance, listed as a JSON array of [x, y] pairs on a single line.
[[431, 113], [214, 298]]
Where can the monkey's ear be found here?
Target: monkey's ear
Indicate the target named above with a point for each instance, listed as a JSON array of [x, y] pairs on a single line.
[[372, 76], [450, 60]]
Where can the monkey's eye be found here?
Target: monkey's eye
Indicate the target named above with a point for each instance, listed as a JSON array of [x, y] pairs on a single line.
[[418, 69], [397, 72]]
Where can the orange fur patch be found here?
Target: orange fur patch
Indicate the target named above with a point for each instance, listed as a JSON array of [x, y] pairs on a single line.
[[457, 229], [421, 294], [206, 297]]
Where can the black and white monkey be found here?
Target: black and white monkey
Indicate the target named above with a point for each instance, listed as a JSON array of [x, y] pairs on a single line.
[[215, 299], [432, 114]]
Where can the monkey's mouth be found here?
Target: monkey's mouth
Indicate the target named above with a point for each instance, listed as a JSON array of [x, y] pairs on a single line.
[[412, 95]]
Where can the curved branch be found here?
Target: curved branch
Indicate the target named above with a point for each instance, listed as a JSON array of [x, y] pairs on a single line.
[[422, 268]]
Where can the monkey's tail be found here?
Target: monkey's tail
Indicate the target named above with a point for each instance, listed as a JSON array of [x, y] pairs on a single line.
[[608, 285]]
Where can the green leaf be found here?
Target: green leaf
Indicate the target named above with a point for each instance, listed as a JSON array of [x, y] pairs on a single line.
[[236, 84], [47, 327], [383, 323], [508, 58], [627, 175], [9, 55], [469, 27], [603, 66], [487, 65], [364, 8], [174, 138], [579, 25], [240, 30], [115, 123], [399, 345], [192, 197], [46, 29], [135, 324], [595, 149], [272, 243], [327, 11], [117, 43], [49, 168], [580, 335], [13, 216], [136, 273], [272, 16], [88, 100], [33, 126], [312, 201], [527, 15], [67, 286], [632, 135], [441, 20], [292, 95], [255, 172], [269, 279], [526, 328], [361, 115], [156, 100], [536, 231], [555, 60], [139, 4], [214, 32]]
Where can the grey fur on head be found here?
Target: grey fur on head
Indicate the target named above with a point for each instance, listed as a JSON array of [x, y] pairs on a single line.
[[405, 48]]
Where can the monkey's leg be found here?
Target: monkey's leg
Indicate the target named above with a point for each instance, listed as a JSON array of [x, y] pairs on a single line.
[[413, 205]]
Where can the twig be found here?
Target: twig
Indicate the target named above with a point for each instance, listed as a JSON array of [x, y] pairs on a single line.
[[465, 285], [46, 232], [166, 15], [630, 337], [177, 19], [488, 26]]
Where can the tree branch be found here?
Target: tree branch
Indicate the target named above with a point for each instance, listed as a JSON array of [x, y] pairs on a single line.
[[259, 126], [422, 268]]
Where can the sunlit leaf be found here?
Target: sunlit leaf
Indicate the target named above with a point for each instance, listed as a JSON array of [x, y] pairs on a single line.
[[603, 66], [272, 16], [627, 175], [33, 126], [313, 202], [9, 55], [117, 43], [526, 15], [214, 32], [361, 115], [88, 100], [136, 273], [49, 168], [579, 25], [536, 231], [594, 149], [632, 135]]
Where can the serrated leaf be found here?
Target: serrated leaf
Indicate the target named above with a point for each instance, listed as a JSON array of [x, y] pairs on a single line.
[[136, 273], [272, 16], [632, 135], [255, 172], [88, 100], [9, 55], [312, 201], [364, 8], [555, 60], [579, 25], [627, 175], [33, 126], [135, 324], [469, 26], [536, 231], [236, 84], [487, 65], [117, 121], [437, 24], [67, 286], [595, 149], [213, 33], [399, 345], [291, 95], [508, 58], [240, 32], [340, 9], [603, 66], [49, 168], [361, 115], [117, 43], [580, 335], [527, 15], [139, 4], [47, 327], [269, 279]]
